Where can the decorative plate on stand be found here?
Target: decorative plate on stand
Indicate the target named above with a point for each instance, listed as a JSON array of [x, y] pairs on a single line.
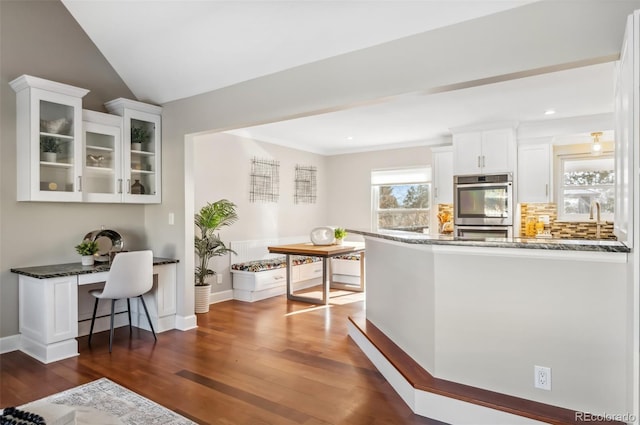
[[322, 236]]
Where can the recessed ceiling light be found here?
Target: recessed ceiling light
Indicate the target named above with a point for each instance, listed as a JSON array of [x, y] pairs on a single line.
[[549, 112], [349, 137]]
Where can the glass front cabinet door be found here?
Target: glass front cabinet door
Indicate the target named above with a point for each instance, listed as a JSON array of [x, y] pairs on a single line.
[[141, 150], [49, 140], [102, 160]]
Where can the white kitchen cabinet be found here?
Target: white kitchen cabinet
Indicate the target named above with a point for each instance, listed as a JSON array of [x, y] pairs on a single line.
[[535, 173], [484, 152], [48, 317], [442, 160], [142, 176], [49, 140], [103, 157]]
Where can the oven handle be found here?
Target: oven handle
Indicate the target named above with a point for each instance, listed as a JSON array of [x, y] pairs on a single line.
[[472, 185]]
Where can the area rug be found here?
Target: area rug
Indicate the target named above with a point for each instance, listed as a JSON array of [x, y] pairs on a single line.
[[105, 402]]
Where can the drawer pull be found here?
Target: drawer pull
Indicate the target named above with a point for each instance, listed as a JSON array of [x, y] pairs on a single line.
[[278, 277]]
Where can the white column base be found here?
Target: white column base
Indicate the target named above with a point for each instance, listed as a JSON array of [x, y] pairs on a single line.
[[49, 353]]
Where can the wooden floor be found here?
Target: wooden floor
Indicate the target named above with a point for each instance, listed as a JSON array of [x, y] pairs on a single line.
[[269, 362]]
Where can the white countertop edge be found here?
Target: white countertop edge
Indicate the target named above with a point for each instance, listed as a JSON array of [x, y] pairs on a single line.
[[590, 256]]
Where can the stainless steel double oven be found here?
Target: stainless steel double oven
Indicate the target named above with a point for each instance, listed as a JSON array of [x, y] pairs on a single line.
[[483, 206]]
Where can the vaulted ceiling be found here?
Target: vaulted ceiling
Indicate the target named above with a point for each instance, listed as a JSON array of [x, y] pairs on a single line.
[[168, 50]]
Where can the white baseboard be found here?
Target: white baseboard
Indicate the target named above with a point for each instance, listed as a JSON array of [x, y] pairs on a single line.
[[218, 297], [9, 343], [185, 323], [432, 405]]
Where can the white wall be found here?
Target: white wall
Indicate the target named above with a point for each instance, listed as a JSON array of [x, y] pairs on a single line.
[[500, 315], [222, 170], [486, 316]]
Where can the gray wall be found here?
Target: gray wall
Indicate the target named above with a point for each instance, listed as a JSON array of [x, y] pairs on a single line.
[[41, 38]]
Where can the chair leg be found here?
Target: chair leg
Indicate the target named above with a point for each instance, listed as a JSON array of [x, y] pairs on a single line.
[[129, 313], [148, 317], [113, 309], [93, 319]]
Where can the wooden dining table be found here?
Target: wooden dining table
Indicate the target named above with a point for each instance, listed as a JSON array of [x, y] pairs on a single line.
[[326, 252]]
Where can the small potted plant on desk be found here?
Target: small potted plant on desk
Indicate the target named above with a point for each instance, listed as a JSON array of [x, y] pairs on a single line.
[[87, 250], [208, 244], [339, 233]]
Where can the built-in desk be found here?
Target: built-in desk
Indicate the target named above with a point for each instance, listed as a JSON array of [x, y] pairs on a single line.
[[55, 308]]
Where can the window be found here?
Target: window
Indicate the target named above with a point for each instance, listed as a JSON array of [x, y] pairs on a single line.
[[401, 199], [585, 179]]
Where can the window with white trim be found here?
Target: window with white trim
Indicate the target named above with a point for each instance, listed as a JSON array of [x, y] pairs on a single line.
[[401, 199], [583, 180]]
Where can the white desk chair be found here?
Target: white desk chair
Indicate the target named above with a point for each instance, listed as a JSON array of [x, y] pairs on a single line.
[[131, 275]]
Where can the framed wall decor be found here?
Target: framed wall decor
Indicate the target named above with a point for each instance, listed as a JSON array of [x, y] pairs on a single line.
[[264, 180], [305, 184]]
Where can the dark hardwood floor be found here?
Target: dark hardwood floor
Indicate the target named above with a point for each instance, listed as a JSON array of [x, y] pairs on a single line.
[[269, 362]]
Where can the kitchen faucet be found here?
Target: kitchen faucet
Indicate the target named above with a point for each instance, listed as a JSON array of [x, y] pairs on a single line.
[[597, 205]]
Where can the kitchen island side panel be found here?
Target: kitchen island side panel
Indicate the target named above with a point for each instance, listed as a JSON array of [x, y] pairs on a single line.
[[485, 316], [400, 296], [498, 315]]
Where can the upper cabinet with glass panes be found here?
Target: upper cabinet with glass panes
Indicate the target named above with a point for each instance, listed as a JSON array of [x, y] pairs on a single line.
[[66, 154], [49, 140], [142, 177]]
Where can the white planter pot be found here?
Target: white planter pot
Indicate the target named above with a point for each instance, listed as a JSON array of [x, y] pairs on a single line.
[[87, 260], [49, 156], [202, 298], [136, 146]]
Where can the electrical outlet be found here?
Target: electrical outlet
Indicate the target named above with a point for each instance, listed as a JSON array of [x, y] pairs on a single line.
[[218, 278], [542, 377]]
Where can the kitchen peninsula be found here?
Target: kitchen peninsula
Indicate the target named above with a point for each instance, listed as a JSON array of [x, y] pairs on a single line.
[[483, 313], [55, 307]]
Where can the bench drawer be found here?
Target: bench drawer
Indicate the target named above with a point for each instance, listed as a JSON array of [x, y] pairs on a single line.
[[309, 271], [346, 267], [260, 280]]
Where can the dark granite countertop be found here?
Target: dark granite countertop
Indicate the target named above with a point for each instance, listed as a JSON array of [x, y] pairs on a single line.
[[527, 243], [70, 269]]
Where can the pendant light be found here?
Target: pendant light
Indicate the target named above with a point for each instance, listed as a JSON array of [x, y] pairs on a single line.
[[596, 146]]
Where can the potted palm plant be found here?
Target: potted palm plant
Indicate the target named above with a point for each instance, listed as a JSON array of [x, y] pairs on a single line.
[[208, 244]]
